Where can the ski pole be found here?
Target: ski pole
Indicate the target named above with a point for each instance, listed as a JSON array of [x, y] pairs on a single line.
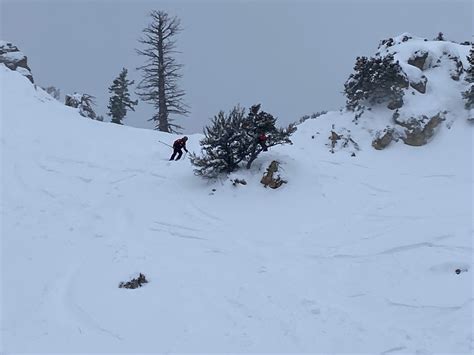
[[165, 144]]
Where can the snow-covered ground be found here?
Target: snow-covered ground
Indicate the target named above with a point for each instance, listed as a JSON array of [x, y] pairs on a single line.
[[354, 254]]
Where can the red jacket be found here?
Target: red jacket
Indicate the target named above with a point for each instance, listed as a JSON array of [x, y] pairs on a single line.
[[179, 144]]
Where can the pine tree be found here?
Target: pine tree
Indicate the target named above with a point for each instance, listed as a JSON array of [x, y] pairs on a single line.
[[375, 81], [223, 146], [120, 101], [85, 106], [232, 139], [84, 102], [468, 95], [161, 72], [260, 122]]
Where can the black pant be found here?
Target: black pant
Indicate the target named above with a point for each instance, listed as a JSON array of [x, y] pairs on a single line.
[[176, 151]]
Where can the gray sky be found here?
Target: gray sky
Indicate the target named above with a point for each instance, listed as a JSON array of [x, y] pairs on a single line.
[[291, 56]]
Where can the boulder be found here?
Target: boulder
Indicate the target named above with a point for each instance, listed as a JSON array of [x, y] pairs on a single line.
[[457, 69], [383, 138], [419, 130], [418, 59], [420, 86], [15, 60], [269, 178], [395, 104]]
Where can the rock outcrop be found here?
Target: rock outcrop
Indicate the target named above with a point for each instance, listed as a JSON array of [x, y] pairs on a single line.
[[420, 86], [419, 130], [418, 59], [13, 59], [383, 138]]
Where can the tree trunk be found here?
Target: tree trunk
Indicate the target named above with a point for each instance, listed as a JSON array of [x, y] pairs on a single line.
[[162, 109]]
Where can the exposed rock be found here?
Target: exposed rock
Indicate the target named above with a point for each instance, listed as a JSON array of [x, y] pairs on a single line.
[[134, 283], [13, 59], [418, 59], [383, 138], [458, 69], [269, 179], [395, 104], [418, 130], [236, 182], [421, 85], [334, 138]]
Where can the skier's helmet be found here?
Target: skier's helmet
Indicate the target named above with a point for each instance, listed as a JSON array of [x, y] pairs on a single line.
[[185, 138]]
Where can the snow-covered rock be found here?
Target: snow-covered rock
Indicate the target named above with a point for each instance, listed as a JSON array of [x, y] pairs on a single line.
[[13, 59], [434, 70]]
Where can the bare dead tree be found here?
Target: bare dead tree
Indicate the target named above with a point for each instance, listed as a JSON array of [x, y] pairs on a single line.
[[161, 72]]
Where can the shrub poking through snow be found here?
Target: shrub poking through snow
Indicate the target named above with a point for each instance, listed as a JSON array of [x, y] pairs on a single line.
[[235, 138], [375, 81], [134, 283], [342, 140]]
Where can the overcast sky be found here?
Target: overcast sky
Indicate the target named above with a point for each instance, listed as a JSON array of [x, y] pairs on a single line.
[[291, 56]]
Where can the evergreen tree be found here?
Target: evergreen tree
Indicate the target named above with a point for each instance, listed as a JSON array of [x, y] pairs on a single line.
[[85, 106], [468, 95], [234, 138], [161, 72], [376, 80], [84, 102], [260, 122], [440, 37], [223, 146], [120, 101]]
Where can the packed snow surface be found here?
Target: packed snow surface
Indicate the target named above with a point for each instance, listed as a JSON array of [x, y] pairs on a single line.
[[354, 254]]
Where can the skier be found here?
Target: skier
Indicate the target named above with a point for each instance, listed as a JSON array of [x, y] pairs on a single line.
[[262, 138], [177, 146]]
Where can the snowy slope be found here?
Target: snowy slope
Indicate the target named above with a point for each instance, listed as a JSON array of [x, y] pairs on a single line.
[[354, 254]]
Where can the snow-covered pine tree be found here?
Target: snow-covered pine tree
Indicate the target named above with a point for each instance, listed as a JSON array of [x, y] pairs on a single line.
[[376, 80], [260, 122], [120, 101], [233, 138], [85, 107], [223, 146], [468, 95], [83, 102]]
